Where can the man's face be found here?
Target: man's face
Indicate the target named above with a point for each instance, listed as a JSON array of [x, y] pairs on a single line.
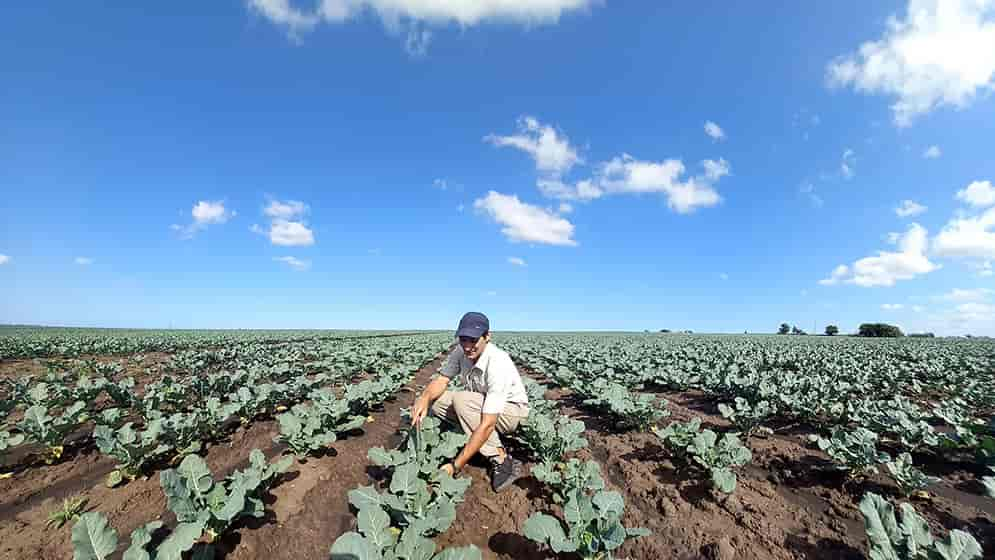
[[472, 347]]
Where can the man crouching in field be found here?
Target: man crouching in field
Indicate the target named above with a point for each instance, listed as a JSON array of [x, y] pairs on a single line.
[[495, 402]]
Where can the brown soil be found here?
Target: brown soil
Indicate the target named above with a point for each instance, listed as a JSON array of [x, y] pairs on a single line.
[[786, 506]]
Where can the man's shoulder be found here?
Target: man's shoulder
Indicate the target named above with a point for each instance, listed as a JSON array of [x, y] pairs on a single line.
[[500, 358]]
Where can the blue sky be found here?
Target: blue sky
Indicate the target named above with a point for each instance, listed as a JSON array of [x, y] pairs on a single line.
[[391, 164]]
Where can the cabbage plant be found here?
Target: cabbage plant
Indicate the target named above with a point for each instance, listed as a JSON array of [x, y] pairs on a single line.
[[908, 478], [908, 537], [131, 448], [594, 527]]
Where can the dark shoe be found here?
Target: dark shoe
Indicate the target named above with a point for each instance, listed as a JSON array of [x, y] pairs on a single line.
[[506, 473]]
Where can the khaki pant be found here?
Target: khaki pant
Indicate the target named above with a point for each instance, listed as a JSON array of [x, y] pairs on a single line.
[[464, 408]]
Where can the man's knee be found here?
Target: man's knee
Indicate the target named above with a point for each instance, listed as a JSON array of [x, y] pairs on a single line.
[[466, 403]]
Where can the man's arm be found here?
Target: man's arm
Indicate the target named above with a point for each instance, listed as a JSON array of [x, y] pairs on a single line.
[[488, 423], [433, 391]]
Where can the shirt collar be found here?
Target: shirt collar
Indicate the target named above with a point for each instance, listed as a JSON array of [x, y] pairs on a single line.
[[485, 357]]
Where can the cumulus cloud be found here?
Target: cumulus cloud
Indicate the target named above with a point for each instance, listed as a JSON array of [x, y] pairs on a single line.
[[83, 261], [517, 261], [887, 267], [4, 259], [892, 306], [287, 227], [942, 53], [979, 194], [714, 131], [525, 222], [204, 213], [932, 152], [550, 149], [285, 210], [625, 174], [909, 208], [294, 263], [969, 237], [290, 234]]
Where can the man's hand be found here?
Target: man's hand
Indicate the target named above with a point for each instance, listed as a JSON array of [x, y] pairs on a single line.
[[418, 411], [448, 469]]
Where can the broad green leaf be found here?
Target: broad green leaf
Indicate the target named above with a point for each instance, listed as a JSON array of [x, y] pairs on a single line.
[[462, 553], [610, 503], [352, 546], [365, 497], [373, 524], [92, 538], [724, 480], [196, 475], [413, 546], [182, 539], [404, 479], [546, 529], [958, 546], [140, 538], [881, 527]]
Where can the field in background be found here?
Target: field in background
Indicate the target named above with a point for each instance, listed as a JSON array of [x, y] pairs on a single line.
[[723, 446]]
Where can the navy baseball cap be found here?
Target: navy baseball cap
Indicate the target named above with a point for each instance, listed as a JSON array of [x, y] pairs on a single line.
[[473, 325]]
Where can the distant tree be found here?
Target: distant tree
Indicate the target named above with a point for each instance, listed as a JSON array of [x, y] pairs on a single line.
[[665, 330], [832, 330], [796, 330], [785, 329], [881, 330], [922, 335]]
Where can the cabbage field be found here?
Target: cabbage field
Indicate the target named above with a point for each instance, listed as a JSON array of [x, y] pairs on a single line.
[[295, 444]]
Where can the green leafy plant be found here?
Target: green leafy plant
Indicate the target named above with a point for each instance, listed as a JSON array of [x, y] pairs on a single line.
[[70, 510], [593, 526], [565, 477], [132, 449], [677, 436], [309, 429], [551, 437], [719, 456], [909, 538], [50, 431], [746, 416], [204, 507], [94, 539], [639, 411], [908, 478], [853, 451], [419, 501]]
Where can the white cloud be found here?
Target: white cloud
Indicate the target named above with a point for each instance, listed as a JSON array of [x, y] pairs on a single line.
[[566, 208], [978, 194], [847, 164], [4, 259], [714, 131], [552, 152], [290, 234], [516, 261], [460, 207], [932, 152], [440, 184], [965, 295], [918, 308], [294, 263], [887, 267], [204, 213], [524, 222], [626, 174], [975, 311], [909, 208], [583, 190], [282, 12], [83, 261], [417, 40], [941, 54], [285, 210], [968, 237], [491, 293], [287, 227], [892, 306], [836, 276], [983, 269], [723, 276], [893, 237]]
